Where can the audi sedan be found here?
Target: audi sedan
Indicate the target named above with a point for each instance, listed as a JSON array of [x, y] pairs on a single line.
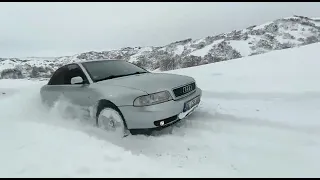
[[122, 97]]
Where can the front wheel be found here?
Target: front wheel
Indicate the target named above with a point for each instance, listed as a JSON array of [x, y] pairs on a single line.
[[111, 120]]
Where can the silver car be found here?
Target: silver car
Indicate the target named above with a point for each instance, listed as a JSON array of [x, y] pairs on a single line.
[[119, 95]]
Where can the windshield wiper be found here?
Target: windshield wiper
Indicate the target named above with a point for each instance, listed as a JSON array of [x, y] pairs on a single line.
[[109, 77], [116, 76]]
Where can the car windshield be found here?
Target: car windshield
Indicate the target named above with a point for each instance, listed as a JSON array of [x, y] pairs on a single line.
[[108, 69]]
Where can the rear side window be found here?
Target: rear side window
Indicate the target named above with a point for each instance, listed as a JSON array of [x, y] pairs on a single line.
[[58, 76], [73, 71], [63, 75]]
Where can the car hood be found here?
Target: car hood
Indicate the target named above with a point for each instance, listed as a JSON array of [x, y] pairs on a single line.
[[149, 82]]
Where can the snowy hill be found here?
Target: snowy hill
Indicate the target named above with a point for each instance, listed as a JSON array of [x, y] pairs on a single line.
[[259, 117], [279, 34]]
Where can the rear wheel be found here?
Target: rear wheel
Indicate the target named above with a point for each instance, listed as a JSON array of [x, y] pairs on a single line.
[[110, 119]]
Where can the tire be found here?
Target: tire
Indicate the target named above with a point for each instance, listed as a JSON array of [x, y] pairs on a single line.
[[110, 118]]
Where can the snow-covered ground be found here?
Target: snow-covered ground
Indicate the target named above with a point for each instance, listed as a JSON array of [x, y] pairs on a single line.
[[259, 117]]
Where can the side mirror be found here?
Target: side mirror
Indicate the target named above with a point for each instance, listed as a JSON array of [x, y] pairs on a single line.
[[77, 80]]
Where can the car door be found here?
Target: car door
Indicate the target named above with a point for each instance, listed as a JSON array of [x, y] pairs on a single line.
[[78, 94], [51, 92]]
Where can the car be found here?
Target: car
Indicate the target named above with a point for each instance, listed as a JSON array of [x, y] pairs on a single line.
[[123, 97]]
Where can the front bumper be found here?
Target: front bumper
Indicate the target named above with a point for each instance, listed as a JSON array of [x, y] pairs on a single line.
[[149, 117]]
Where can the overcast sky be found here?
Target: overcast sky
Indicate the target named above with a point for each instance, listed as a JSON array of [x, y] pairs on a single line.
[[57, 29]]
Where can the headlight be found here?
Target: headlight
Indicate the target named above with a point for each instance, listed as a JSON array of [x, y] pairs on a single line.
[[151, 99]]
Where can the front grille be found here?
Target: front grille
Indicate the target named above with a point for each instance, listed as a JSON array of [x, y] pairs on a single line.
[[180, 91]]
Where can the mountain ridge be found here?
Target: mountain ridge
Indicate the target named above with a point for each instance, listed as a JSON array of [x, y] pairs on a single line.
[[279, 34]]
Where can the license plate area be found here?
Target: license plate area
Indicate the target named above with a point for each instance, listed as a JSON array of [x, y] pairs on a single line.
[[191, 103]]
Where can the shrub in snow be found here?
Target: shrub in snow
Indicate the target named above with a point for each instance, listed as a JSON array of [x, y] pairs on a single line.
[[11, 74], [190, 61], [311, 39]]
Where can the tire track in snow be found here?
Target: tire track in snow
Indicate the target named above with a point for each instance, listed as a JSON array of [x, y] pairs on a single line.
[[216, 122], [211, 112], [261, 95]]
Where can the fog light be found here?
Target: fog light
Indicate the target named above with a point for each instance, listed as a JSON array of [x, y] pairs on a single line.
[[161, 123]]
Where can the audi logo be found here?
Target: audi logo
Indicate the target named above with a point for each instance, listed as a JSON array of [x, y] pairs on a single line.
[[187, 88]]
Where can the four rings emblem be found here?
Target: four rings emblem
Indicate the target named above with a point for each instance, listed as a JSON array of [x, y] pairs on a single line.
[[186, 89]]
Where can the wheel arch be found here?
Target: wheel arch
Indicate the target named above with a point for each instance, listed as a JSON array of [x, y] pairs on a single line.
[[102, 103]]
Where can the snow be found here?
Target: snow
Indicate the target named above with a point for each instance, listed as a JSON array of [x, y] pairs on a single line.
[[317, 21], [282, 40], [42, 146], [259, 117], [163, 49], [242, 47], [262, 25], [179, 50], [6, 64], [133, 59], [290, 71], [299, 33], [38, 58], [198, 41], [291, 17], [17, 83], [140, 52], [203, 51]]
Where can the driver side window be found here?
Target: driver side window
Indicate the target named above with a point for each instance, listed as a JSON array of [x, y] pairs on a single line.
[[64, 75]]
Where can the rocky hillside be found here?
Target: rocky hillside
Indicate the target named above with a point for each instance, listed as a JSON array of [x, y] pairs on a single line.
[[276, 35]]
